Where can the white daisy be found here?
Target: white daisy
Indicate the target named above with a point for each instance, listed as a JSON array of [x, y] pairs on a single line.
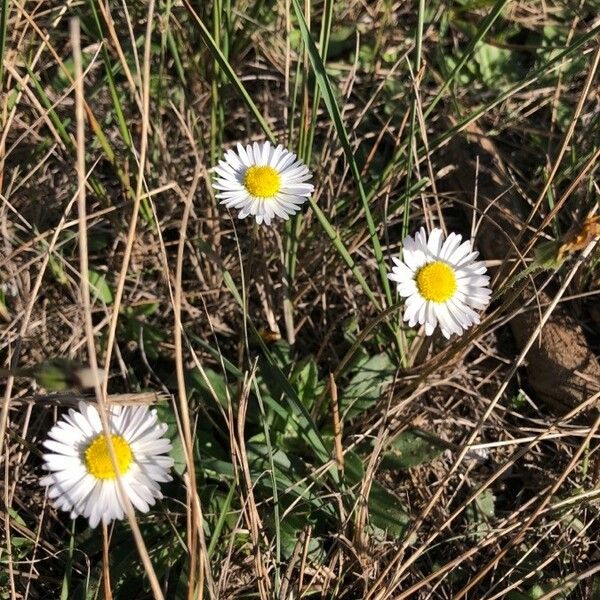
[[82, 479], [441, 281], [262, 181]]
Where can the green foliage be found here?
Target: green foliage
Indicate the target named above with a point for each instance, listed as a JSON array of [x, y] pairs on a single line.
[[100, 288], [411, 448], [305, 378], [479, 513], [367, 384], [20, 548], [302, 497], [387, 512], [223, 72], [136, 327]]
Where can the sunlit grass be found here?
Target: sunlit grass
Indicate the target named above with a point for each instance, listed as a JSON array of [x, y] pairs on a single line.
[[322, 447]]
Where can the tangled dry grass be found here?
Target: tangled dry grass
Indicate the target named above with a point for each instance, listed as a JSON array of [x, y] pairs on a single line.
[[324, 449]]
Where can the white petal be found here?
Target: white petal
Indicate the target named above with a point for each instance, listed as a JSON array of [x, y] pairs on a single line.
[[411, 309], [452, 242], [412, 254], [460, 253], [430, 319], [401, 273], [434, 244], [421, 239]]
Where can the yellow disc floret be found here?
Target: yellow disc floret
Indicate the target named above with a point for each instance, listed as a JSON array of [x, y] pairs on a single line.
[[262, 181], [436, 281], [97, 457]]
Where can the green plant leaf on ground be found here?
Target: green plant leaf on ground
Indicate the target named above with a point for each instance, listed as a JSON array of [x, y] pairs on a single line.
[[205, 388], [386, 510], [99, 287], [480, 512], [305, 380], [411, 448], [366, 385]]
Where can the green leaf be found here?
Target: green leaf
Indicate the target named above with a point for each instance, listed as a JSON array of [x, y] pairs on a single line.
[[136, 329], [289, 473], [387, 511], [486, 503], [203, 386], [367, 385], [497, 63], [57, 269], [309, 431], [100, 288], [305, 380], [411, 448], [342, 41], [291, 528], [479, 512]]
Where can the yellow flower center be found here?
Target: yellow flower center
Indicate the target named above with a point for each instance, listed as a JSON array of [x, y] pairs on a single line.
[[97, 457], [262, 181], [436, 281]]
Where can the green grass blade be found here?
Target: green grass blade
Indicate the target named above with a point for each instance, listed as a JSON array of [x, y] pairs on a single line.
[[324, 45], [336, 240], [405, 148], [66, 591], [125, 134], [216, 533], [208, 39], [52, 115], [413, 118], [305, 421], [335, 114], [235, 80], [483, 29], [440, 140], [3, 28], [274, 492]]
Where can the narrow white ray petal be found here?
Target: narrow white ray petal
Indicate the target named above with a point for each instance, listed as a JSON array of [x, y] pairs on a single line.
[[402, 272], [413, 256], [452, 242], [430, 319], [244, 155], [233, 160], [276, 156], [460, 253], [434, 244], [407, 288], [301, 189]]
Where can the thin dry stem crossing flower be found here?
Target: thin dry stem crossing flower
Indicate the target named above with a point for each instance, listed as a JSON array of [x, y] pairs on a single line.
[[431, 467], [101, 392]]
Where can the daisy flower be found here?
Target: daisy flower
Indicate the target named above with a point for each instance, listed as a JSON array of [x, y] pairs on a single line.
[[82, 479], [262, 181], [442, 282]]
